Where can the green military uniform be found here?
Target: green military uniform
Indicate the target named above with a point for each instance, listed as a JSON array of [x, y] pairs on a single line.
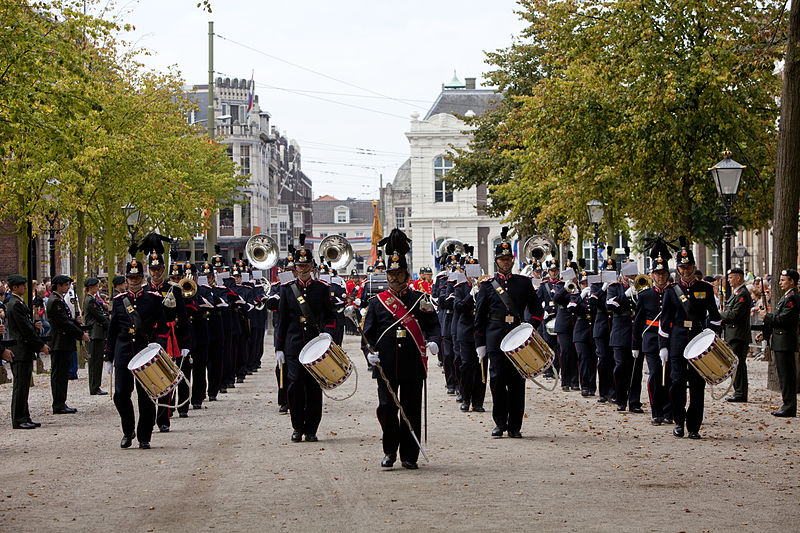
[[96, 318], [28, 343], [736, 323], [64, 332], [783, 327]]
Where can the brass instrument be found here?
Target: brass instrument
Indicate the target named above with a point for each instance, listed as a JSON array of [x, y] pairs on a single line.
[[336, 250], [188, 287], [262, 251], [642, 282], [572, 287], [539, 247], [447, 242]]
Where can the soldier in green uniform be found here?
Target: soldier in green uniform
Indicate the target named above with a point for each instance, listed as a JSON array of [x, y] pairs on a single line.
[[26, 343], [782, 326], [736, 324], [65, 331], [97, 320]]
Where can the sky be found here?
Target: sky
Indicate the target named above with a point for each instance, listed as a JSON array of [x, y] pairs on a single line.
[[340, 78]]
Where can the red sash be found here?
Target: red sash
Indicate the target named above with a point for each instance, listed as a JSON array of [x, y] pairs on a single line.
[[173, 349], [395, 306]]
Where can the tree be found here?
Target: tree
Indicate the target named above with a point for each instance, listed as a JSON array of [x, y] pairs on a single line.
[[630, 102]]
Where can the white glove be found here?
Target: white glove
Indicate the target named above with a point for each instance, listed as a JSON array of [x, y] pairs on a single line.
[[585, 292], [280, 357], [481, 352], [109, 366], [663, 353], [434, 348], [184, 352], [357, 302], [363, 311], [373, 358], [636, 354]]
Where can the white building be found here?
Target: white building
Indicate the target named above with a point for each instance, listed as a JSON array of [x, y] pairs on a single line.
[[437, 211], [352, 219]]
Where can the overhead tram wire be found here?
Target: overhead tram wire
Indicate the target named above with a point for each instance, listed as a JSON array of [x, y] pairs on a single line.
[[256, 50]]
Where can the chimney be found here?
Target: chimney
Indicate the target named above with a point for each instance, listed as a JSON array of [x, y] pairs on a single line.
[[470, 83]]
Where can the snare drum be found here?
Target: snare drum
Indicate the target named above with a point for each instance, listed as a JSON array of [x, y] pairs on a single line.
[[711, 356], [326, 361], [527, 351], [155, 371]]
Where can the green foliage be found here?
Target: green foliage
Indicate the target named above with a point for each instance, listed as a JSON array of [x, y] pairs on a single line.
[[630, 102]]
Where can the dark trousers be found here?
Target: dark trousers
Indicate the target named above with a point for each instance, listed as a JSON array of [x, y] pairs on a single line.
[[449, 364], [22, 371], [229, 359], [605, 367], [740, 387], [256, 348], [627, 377], [787, 376], [508, 392], [214, 365], [660, 404], [681, 375], [473, 386], [305, 398], [59, 377], [587, 366], [395, 430], [457, 363], [94, 363], [569, 360], [282, 399], [164, 413], [242, 356], [552, 342], [199, 364], [123, 389]]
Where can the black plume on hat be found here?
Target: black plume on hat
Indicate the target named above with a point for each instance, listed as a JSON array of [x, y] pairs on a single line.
[[609, 251], [581, 262], [217, 249], [133, 248], [154, 243], [504, 233], [302, 239], [397, 245], [658, 246]]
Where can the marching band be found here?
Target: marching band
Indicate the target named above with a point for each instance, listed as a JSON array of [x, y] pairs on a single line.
[[196, 330]]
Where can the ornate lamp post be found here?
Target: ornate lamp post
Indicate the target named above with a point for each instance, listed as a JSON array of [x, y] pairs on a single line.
[[727, 174], [594, 209], [132, 215]]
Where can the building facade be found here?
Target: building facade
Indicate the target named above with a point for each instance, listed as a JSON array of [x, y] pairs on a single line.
[[352, 219]]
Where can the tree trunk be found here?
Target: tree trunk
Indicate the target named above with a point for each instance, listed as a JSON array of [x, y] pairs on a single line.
[[108, 249], [787, 168], [80, 256]]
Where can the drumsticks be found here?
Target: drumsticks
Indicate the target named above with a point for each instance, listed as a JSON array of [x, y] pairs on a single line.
[[280, 366], [483, 372]]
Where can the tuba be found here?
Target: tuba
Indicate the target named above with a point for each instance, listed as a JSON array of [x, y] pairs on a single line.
[[447, 242], [539, 247], [336, 250], [262, 251]]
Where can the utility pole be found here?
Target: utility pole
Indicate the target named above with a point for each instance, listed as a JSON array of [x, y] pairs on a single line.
[[211, 225]]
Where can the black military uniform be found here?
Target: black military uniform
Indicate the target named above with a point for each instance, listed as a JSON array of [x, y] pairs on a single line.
[[215, 334], [273, 304], [27, 343], [137, 319], [96, 318], [601, 333], [627, 369], [563, 328], [198, 308], [546, 294], [305, 311], [782, 326], [582, 338], [401, 358], [493, 320], [473, 383], [688, 308], [736, 323], [64, 332], [449, 359], [437, 289]]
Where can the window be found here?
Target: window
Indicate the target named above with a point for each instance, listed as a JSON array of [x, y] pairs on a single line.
[[442, 191], [244, 159], [246, 217], [359, 234], [323, 235], [229, 151], [234, 113], [400, 217], [588, 254], [226, 217], [342, 215]]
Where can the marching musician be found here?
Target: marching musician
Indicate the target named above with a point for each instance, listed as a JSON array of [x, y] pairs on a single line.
[[198, 309], [582, 334], [473, 380], [601, 331], [437, 287], [240, 297], [499, 306], [425, 281], [273, 304], [627, 369], [450, 358], [216, 334], [736, 322], [688, 308], [305, 311], [782, 325], [225, 310], [97, 321], [400, 324], [338, 298], [137, 319], [645, 332], [65, 330], [564, 331], [546, 293]]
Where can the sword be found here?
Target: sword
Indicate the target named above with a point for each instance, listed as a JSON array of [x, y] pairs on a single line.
[[425, 402]]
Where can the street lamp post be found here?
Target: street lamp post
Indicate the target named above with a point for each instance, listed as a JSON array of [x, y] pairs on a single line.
[[594, 209], [739, 251], [52, 219], [727, 174], [132, 215]]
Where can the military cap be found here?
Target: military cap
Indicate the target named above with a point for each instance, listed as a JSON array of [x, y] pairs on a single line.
[[61, 279], [91, 282], [15, 279], [117, 280]]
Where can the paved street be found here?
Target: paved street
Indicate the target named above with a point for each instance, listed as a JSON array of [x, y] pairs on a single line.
[[231, 467]]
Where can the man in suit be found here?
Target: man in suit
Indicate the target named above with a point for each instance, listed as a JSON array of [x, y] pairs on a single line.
[[736, 324], [782, 325], [27, 343], [97, 321], [65, 331]]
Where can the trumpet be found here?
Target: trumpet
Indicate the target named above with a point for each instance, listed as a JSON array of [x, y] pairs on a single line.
[[188, 287], [571, 287]]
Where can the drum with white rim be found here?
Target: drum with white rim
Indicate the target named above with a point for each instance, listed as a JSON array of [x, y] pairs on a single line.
[[711, 356], [527, 351], [155, 371], [326, 361]]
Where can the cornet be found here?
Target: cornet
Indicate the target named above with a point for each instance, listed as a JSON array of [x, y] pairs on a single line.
[[188, 287], [572, 287]]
